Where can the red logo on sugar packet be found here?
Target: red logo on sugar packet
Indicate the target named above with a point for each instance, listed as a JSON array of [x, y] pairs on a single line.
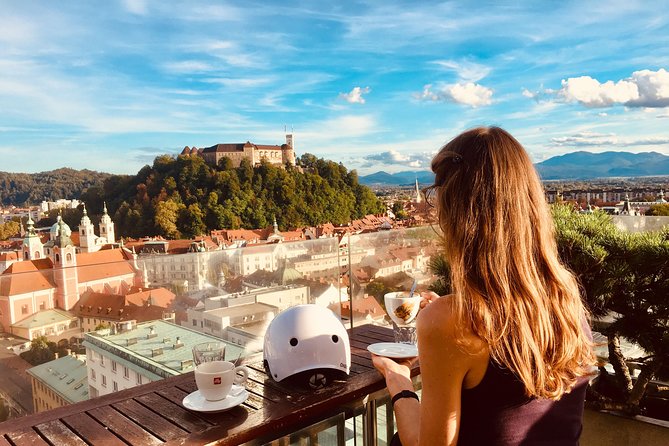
[[217, 380]]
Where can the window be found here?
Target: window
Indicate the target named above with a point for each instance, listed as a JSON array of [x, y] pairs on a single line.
[[104, 380], [139, 378], [69, 257], [102, 360], [24, 309], [93, 374], [113, 363], [42, 305], [126, 372], [194, 322], [115, 386]]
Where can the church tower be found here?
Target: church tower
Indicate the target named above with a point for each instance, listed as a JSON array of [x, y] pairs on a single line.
[[107, 226], [419, 196], [86, 233], [65, 274], [32, 245]]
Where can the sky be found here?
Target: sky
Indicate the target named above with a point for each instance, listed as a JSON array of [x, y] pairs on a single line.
[[108, 85]]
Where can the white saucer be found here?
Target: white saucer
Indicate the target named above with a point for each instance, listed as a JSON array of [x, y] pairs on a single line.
[[196, 401], [394, 350]]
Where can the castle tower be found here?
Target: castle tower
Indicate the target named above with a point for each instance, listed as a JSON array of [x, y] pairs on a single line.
[[288, 150], [86, 233], [107, 226], [65, 274], [32, 245]]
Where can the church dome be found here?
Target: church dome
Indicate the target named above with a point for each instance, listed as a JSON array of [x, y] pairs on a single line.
[[53, 232]]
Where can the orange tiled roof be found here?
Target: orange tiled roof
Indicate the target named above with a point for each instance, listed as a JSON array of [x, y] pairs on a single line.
[[160, 297], [103, 264], [25, 277]]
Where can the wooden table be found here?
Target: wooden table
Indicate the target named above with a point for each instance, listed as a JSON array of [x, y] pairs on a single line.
[[152, 414]]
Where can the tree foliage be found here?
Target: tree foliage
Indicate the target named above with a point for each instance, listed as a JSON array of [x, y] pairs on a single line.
[[626, 277], [8, 229], [658, 210]]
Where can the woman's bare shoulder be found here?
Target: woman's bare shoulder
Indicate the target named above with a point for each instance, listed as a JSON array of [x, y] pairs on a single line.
[[438, 322]]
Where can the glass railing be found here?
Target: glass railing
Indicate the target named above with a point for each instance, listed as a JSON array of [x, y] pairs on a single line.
[[133, 318]]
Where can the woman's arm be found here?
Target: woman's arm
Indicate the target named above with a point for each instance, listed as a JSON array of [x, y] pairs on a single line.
[[443, 363]]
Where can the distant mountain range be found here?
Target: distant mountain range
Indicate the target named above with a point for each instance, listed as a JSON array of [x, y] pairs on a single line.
[[571, 166], [586, 165]]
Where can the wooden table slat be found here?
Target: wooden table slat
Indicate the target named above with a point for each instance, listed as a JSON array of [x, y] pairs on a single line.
[[25, 437], [123, 427], [263, 385], [88, 428], [150, 420], [59, 434], [173, 412]]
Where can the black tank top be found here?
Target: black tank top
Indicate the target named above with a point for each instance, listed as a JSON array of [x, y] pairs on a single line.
[[497, 412]]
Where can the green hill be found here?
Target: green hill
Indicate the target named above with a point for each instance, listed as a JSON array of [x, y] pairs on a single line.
[[183, 196], [21, 189]]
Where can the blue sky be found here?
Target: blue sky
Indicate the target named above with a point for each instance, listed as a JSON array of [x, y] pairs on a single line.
[[378, 85]]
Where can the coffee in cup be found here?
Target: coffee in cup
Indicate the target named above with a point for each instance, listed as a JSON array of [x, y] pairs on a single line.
[[215, 379]]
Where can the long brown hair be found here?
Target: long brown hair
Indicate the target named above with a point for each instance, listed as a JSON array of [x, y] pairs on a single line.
[[508, 282]]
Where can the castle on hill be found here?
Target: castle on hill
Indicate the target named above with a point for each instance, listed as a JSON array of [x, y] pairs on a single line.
[[255, 153]]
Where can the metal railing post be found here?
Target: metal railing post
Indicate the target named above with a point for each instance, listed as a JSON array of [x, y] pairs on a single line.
[[369, 424]]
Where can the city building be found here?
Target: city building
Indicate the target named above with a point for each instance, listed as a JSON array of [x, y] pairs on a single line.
[[118, 310], [146, 352], [255, 153], [53, 323], [59, 382], [180, 265], [62, 203]]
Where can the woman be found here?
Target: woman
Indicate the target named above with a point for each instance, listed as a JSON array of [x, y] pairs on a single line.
[[504, 359]]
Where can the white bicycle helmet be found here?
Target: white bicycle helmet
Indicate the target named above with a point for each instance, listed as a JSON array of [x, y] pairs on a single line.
[[306, 343]]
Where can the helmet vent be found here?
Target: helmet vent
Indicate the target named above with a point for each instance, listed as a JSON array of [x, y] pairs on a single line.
[[335, 338], [293, 341]]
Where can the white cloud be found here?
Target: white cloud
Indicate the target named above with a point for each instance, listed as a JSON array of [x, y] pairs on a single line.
[[474, 95], [644, 88], [528, 94], [241, 82], [466, 71], [394, 157], [139, 7], [355, 95], [591, 139], [188, 66]]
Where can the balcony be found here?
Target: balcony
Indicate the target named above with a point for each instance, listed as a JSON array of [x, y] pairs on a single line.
[[350, 412]]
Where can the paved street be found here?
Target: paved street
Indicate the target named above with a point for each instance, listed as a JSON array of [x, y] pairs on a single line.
[[14, 381]]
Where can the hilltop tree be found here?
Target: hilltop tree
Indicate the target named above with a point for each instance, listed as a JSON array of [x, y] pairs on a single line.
[[8, 229]]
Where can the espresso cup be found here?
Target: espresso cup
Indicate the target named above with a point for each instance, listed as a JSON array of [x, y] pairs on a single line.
[[401, 308], [215, 379]]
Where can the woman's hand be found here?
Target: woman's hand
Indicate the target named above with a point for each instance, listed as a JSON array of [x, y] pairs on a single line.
[[396, 373], [427, 297]]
